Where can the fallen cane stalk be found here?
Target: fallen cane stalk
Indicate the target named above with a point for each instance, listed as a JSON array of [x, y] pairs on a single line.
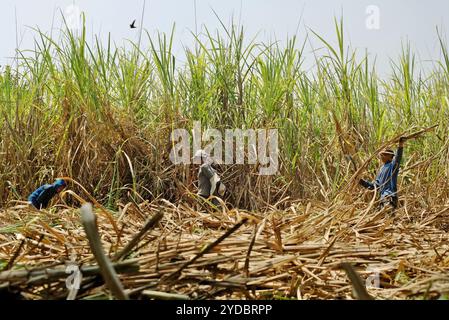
[[37, 277], [164, 295], [208, 248], [147, 227], [107, 271], [14, 257], [248, 254]]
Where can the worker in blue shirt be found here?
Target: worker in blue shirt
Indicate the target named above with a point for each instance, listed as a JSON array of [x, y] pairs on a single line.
[[42, 195], [387, 178]]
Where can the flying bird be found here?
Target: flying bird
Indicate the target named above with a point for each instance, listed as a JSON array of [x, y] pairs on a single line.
[[132, 25]]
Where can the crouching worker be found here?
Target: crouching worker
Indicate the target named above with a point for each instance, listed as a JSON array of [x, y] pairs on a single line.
[[41, 197], [209, 182], [387, 178]]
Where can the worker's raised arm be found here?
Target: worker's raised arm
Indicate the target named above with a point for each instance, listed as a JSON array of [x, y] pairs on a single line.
[[398, 157]]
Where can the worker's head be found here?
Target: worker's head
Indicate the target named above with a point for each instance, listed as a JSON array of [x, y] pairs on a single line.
[[202, 157], [60, 184], [386, 155]]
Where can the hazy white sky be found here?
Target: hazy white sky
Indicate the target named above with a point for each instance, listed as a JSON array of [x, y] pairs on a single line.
[[399, 20]]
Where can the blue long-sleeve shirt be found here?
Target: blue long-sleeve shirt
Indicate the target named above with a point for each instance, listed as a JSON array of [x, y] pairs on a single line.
[[387, 178], [42, 195]]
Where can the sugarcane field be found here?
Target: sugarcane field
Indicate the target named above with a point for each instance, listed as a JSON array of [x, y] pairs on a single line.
[[143, 157]]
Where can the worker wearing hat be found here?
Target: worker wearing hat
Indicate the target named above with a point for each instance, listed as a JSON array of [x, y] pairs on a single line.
[[387, 178], [42, 195], [209, 182]]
